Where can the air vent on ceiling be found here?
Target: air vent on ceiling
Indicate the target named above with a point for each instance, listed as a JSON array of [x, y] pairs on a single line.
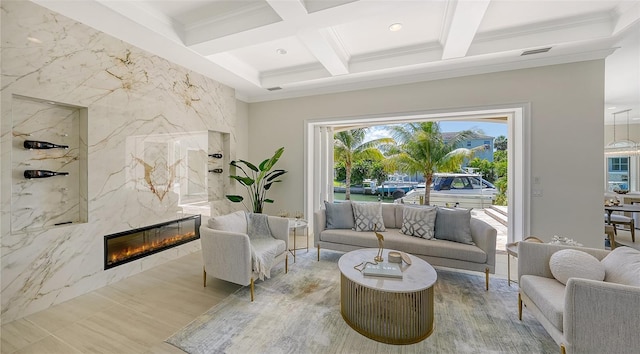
[[274, 88], [535, 51]]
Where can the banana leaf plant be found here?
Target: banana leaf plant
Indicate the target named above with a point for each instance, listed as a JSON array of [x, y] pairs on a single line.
[[257, 179]]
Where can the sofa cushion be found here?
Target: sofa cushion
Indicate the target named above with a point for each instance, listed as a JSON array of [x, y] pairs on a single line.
[[368, 216], [339, 215], [454, 225], [234, 222], [572, 263], [395, 240], [622, 266], [547, 294], [419, 221]]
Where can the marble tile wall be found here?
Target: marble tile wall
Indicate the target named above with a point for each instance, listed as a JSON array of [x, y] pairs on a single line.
[[130, 96]]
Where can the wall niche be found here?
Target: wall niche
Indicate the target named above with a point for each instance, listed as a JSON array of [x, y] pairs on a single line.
[[218, 165], [38, 203]]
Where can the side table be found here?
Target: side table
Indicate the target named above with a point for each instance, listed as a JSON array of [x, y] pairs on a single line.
[[295, 224], [512, 250]]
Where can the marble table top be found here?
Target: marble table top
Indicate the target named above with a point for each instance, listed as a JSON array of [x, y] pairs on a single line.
[[418, 276]]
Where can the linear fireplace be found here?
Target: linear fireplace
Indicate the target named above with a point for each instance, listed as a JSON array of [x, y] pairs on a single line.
[[124, 247]]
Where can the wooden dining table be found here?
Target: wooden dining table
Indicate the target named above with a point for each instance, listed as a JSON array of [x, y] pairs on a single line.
[[626, 208]]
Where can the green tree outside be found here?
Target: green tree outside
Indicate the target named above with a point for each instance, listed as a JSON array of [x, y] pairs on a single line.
[[349, 147], [421, 149]]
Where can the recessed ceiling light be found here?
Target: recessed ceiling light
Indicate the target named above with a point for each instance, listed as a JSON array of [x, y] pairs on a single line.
[[395, 27], [281, 51], [612, 107]]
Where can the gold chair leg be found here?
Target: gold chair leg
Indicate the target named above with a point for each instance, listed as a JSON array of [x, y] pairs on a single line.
[[519, 307], [486, 273], [204, 277], [563, 350], [318, 253], [252, 290], [286, 264]]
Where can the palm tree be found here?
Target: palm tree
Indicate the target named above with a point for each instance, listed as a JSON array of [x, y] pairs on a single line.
[[349, 147], [422, 149]]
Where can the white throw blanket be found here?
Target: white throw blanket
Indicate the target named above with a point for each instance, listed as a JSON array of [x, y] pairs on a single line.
[[263, 249]]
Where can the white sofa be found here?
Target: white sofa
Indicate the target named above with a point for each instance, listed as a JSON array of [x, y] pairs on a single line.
[[480, 257], [583, 316]]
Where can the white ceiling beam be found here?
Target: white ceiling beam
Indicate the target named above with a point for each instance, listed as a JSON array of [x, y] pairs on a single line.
[[324, 45], [462, 26], [321, 43], [288, 10], [238, 67], [531, 37], [628, 14], [277, 30]]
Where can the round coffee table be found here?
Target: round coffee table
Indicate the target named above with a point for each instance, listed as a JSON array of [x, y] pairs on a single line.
[[388, 310]]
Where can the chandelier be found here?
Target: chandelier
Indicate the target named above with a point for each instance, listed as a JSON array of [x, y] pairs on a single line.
[[621, 148]]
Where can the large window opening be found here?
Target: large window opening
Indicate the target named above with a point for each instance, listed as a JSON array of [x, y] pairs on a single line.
[[618, 176], [319, 154]]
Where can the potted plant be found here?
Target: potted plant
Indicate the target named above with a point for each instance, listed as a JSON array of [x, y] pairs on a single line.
[[258, 180]]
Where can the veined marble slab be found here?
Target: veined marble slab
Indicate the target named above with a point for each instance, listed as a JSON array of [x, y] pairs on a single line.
[[131, 97]]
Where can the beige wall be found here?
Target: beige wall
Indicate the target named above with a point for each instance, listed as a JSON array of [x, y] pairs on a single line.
[[566, 110]]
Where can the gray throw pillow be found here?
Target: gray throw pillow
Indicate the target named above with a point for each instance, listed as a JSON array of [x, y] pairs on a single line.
[[368, 217], [419, 221], [454, 225], [339, 215]]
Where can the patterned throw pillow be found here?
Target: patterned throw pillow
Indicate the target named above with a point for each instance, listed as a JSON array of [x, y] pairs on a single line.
[[419, 221], [368, 216]]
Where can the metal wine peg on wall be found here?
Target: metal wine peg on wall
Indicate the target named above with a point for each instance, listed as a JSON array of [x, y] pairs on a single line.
[[216, 155], [216, 170]]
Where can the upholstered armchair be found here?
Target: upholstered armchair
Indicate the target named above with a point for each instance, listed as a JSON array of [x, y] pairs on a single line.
[[582, 312], [227, 248]]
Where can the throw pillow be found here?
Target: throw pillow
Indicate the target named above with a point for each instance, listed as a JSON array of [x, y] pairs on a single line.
[[454, 225], [339, 215], [419, 221], [622, 266], [368, 216], [571, 263], [234, 222]]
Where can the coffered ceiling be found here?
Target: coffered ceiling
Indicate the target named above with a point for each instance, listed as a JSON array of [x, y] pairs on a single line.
[[272, 49]]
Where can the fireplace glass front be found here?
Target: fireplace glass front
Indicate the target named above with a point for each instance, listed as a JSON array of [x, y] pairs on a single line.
[[130, 245]]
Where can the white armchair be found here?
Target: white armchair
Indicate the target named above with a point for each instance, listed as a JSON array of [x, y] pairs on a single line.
[[226, 248], [585, 316]]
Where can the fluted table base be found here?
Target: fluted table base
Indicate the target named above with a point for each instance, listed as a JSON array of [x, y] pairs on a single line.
[[388, 317]]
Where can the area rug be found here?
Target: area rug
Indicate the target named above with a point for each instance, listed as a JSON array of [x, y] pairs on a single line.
[[299, 312]]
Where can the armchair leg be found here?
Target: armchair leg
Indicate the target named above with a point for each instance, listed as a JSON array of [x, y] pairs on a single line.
[[563, 350], [486, 273], [633, 231], [318, 253], [252, 290], [286, 264], [519, 307], [204, 277]]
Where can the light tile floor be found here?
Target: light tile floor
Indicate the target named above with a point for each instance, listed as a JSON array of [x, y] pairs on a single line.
[[134, 315]]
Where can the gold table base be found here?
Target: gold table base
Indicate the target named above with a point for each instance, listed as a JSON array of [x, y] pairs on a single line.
[[388, 317]]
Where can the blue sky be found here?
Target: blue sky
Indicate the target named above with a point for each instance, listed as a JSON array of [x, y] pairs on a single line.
[[491, 129]]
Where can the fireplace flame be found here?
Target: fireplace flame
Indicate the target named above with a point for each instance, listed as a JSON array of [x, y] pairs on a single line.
[[129, 252]]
